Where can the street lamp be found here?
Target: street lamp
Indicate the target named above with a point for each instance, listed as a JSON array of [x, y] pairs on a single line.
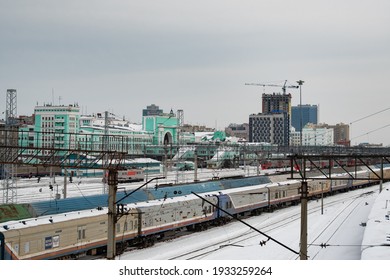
[[300, 83]]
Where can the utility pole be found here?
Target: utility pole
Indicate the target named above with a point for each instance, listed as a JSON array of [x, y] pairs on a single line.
[[300, 83], [304, 198], [65, 183], [382, 176], [105, 147], [113, 215], [196, 165], [10, 139], [303, 247], [322, 198], [112, 219], [180, 123]]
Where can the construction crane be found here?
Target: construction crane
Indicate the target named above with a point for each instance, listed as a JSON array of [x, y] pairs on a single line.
[[273, 85]]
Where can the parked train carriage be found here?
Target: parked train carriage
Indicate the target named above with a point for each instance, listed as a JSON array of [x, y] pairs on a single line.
[[339, 184], [130, 175], [244, 201], [29, 171], [53, 237], [375, 176], [64, 235], [318, 187], [171, 214], [284, 194]]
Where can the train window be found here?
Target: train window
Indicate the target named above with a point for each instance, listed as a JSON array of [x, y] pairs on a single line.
[[276, 195], [27, 247], [16, 247], [118, 228], [81, 232]]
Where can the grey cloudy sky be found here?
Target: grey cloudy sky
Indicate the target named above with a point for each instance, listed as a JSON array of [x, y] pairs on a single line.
[[122, 55]]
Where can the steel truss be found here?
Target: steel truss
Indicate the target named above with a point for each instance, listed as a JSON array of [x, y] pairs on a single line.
[[348, 163]]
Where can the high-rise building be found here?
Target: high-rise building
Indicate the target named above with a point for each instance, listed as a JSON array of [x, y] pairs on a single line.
[[269, 128], [276, 103], [309, 115], [273, 124]]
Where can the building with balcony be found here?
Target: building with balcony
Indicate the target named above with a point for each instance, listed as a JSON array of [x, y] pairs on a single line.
[[269, 128]]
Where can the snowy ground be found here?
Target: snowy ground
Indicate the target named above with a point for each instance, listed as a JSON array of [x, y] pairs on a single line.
[[339, 229]]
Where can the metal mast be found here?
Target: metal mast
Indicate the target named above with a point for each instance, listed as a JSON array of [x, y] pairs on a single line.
[[10, 139], [105, 147], [180, 123]]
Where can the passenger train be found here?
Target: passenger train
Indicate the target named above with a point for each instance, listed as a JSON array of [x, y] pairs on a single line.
[[80, 233]]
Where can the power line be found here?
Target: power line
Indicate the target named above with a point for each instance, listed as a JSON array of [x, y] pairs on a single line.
[[324, 245], [373, 114], [248, 225], [371, 131]]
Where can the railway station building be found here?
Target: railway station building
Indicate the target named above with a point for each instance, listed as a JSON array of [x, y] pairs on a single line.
[[60, 126]]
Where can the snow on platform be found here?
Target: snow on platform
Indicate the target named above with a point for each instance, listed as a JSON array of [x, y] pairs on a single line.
[[376, 240]]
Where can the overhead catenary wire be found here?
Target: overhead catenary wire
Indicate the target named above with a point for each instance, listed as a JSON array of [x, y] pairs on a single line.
[[248, 225], [369, 132], [358, 120], [324, 245], [368, 116]]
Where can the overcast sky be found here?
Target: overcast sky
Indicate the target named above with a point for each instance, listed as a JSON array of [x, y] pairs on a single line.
[[122, 55]]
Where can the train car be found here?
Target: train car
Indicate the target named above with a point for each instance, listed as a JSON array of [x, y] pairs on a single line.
[[52, 237], [243, 201], [319, 187], [130, 175], [160, 218], [283, 194], [85, 232], [29, 171]]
